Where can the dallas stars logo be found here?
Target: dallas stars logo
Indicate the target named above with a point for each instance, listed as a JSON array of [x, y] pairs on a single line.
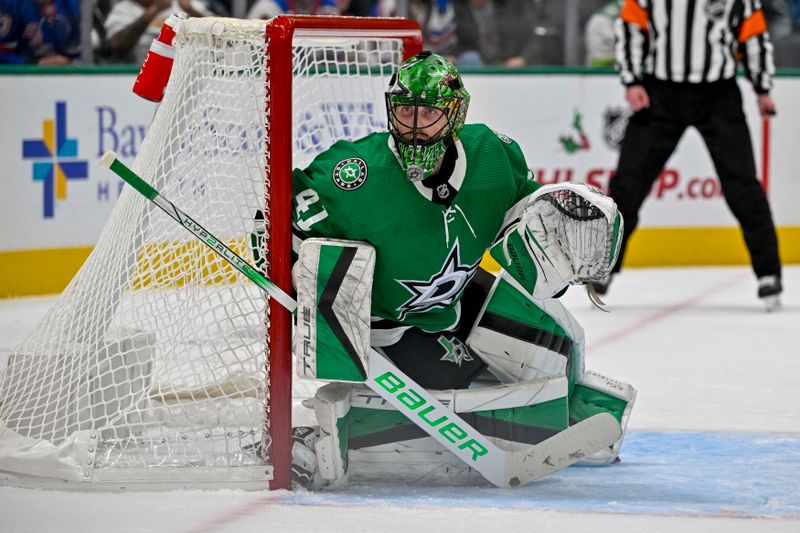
[[454, 350], [441, 289], [350, 173]]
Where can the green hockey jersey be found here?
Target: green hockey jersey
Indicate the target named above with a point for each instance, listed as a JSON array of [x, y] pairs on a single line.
[[426, 251]]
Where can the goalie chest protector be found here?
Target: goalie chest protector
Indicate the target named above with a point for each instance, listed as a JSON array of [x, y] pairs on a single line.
[[425, 252]]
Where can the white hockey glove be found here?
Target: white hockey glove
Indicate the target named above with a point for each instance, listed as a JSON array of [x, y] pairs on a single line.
[[577, 227]]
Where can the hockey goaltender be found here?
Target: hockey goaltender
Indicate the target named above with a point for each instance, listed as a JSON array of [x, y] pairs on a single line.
[[438, 368]]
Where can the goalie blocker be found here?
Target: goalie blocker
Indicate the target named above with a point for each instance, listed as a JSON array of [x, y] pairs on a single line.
[[358, 429]]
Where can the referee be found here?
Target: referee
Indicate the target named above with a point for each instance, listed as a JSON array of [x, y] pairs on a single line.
[[677, 60]]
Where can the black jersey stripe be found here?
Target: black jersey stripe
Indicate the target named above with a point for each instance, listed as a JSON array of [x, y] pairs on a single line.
[[708, 52], [628, 52], [762, 63], [654, 37], [689, 33], [668, 39], [731, 41], [726, 57]]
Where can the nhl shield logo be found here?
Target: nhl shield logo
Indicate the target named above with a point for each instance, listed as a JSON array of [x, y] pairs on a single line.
[[350, 174], [615, 120]]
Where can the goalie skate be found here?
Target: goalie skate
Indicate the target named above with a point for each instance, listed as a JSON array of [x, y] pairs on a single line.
[[304, 459]]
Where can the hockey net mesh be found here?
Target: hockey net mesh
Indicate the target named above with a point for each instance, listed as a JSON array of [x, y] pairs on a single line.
[[157, 353]]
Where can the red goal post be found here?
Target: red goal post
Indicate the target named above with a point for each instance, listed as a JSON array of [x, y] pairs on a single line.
[[280, 33]]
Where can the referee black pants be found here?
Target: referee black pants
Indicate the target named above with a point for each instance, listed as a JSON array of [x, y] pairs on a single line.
[[715, 110]]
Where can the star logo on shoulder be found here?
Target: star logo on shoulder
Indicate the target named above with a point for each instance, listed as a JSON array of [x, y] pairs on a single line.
[[442, 289]]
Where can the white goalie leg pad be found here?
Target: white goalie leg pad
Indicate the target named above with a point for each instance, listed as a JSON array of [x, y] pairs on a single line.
[[425, 460], [331, 403], [523, 352], [513, 360], [616, 389], [478, 398], [509, 396]]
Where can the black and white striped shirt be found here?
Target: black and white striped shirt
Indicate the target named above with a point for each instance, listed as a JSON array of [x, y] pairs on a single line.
[[693, 41]]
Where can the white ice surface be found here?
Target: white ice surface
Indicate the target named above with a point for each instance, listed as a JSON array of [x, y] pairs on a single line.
[[696, 343]]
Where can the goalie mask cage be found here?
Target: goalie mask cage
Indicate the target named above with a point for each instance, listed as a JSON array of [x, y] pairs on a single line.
[[159, 364]]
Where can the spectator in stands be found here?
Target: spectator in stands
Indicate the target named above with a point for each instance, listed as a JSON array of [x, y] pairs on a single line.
[[783, 22], [100, 11], [437, 18], [599, 35], [498, 32], [359, 8], [779, 18], [794, 10], [132, 25], [44, 32], [266, 9]]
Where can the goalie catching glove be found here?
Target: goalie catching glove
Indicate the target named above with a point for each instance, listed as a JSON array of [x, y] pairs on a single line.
[[572, 231]]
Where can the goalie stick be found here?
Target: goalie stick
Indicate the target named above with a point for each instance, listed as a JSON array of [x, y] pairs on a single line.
[[500, 467], [110, 161]]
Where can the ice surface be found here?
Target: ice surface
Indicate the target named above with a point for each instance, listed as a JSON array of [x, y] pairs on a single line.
[[714, 442]]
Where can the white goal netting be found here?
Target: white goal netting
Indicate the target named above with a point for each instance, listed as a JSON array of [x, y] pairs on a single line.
[[153, 363]]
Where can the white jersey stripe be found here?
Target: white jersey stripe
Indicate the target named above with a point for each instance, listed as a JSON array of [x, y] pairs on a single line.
[[677, 41], [660, 23], [700, 44]]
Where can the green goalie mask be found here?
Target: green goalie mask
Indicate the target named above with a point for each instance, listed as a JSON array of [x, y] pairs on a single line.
[[426, 104]]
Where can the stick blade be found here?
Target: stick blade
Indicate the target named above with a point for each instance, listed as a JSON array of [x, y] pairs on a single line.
[[563, 449]]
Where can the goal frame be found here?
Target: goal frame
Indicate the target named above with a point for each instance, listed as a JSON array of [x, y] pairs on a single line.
[[280, 32]]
